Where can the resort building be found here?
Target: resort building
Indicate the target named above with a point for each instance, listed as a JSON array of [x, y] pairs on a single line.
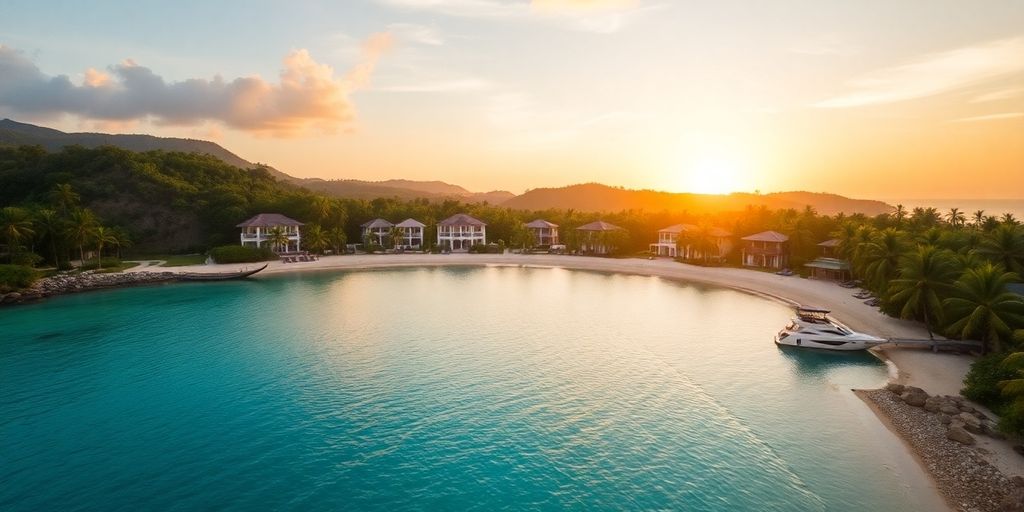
[[376, 231], [669, 238], [828, 266], [544, 233], [262, 228], [599, 237], [460, 232], [412, 233], [767, 249]]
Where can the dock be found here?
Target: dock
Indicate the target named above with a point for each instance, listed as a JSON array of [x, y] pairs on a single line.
[[934, 345]]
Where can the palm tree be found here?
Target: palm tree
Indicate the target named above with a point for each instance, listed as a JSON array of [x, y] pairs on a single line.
[[1005, 245], [1008, 218], [900, 214], [924, 277], [121, 239], [65, 197], [48, 226], [336, 236], [323, 208], [80, 228], [395, 236], [981, 307], [978, 217], [316, 238], [15, 226], [880, 257], [956, 218], [277, 238], [102, 236]]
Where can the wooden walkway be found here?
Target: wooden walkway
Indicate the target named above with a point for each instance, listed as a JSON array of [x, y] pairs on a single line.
[[934, 345]]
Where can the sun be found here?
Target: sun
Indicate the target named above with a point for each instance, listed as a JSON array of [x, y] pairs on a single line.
[[713, 175]]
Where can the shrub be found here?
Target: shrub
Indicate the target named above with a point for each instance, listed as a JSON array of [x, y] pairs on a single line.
[[486, 249], [16, 277], [241, 254], [982, 382]]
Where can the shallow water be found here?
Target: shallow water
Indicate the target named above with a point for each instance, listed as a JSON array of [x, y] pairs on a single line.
[[430, 388]]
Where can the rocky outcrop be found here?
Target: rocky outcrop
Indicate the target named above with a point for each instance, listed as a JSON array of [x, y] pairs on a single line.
[[70, 282], [938, 432]]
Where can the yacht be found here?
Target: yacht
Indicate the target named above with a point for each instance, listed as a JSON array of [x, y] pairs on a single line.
[[811, 328]]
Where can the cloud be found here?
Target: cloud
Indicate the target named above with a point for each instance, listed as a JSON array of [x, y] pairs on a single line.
[[464, 85], [1003, 94], [935, 74], [989, 117], [308, 95], [417, 34], [598, 16]]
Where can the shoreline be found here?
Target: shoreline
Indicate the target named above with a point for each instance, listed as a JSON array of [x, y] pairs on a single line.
[[936, 373]]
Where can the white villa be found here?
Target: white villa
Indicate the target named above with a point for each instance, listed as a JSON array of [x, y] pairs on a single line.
[[544, 232], [668, 242], [460, 232], [412, 233], [597, 237], [376, 231], [255, 231]]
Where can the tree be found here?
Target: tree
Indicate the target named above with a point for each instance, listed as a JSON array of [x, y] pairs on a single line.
[[336, 237], [65, 197], [1005, 245], [121, 239], [880, 257], [15, 226], [396, 235], [522, 237], [102, 236], [277, 238], [49, 227], [956, 218], [978, 218], [315, 237], [981, 307], [1008, 218], [80, 228], [899, 214], [924, 277]]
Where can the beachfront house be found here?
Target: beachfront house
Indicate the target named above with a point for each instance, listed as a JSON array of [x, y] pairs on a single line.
[[376, 231], [265, 227], [412, 234], [767, 249], [544, 233], [599, 237], [696, 242], [460, 232], [829, 266]]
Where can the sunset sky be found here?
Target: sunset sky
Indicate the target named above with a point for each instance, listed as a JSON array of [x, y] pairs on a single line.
[[917, 99]]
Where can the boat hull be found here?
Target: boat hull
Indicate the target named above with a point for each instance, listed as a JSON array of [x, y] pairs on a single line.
[[794, 340]]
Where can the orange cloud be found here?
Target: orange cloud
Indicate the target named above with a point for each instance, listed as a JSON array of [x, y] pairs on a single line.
[[307, 96]]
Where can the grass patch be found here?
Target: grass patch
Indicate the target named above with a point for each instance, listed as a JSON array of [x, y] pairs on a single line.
[[181, 260]]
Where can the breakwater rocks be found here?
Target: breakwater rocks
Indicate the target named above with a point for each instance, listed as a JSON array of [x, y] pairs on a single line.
[[83, 281], [942, 430]]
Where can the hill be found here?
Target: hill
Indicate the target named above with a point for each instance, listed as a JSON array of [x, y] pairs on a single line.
[[594, 197], [13, 133]]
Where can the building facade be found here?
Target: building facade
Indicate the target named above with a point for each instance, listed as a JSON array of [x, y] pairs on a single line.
[[717, 245], [767, 249], [599, 237], [829, 266], [460, 232], [262, 228], [376, 231], [544, 233], [412, 234]]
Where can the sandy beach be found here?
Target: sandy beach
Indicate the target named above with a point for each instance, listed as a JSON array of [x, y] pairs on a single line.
[[937, 373]]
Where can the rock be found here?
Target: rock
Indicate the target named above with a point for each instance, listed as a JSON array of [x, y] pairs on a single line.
[[914, 396], [949, 409], [944, 419], [971, 423], [958, 434], [934, 403], [895, 388]]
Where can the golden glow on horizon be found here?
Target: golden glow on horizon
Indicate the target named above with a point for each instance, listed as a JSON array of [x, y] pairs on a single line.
[[713, 175]]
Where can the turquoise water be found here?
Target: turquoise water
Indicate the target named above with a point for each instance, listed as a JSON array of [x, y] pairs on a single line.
[[430, 389]]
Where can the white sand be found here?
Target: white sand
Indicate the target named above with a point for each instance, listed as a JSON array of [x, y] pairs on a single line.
[[939, 373]]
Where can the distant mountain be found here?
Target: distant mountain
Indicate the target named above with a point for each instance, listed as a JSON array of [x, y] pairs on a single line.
[[13, 133], [594, 197]]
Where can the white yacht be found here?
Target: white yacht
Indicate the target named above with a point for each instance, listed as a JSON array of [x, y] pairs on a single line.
[[812, 329]]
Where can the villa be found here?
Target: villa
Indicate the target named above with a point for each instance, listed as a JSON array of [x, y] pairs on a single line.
[[828, 266], [668, 243], [376, 230], [544, 233], [256, 231], [767, 249], [412, 233], [598, 237], [460, 232]]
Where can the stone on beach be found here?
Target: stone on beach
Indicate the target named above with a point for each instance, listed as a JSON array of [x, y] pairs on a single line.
[[914, 396], [957, 433]]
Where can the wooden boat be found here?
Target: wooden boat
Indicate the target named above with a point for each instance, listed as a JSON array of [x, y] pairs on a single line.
[[220, 276]]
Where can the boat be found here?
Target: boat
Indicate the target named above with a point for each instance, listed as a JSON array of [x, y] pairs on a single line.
[[812, 328], [219, 276]]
